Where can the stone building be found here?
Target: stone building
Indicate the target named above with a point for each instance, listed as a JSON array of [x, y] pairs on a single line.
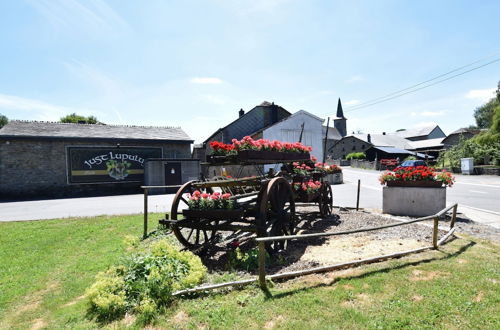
[[462, 133], [362, 142], [340, 122], [43, 159]]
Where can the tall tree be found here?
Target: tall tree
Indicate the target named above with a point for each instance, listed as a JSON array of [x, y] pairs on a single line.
[[3, 120], [498, 92], [484, 113], [78, 119]]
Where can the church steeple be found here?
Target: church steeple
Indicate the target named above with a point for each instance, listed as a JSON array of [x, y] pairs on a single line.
[[340, 112], [340, 121]]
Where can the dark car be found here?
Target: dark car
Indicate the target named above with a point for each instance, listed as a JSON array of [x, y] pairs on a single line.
[[413, 163]]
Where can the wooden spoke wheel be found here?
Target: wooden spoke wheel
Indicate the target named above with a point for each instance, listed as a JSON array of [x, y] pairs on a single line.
[[191, 238], [325, 200], [276, 213]]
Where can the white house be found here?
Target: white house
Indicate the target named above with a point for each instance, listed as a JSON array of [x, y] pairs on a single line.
[[290, 128]]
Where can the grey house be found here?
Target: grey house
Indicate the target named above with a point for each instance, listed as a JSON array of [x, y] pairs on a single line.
[[44, 159], [363, 142], [258, 118]]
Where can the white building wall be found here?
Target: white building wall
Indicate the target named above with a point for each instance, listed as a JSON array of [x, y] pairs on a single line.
[[289, 129]]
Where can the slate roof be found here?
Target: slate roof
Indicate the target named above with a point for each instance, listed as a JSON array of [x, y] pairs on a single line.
[[431, 143], [391, 150], [333, 133], [381, 140], [414, 132], [251, 122], [40, 129]]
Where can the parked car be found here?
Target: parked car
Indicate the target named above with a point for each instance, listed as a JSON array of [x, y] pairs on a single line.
[[413, 163]]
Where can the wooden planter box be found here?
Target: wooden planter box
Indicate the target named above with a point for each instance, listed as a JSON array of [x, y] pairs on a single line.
[[214, 159], [248, 155], [419, 184], [218, 214], [303, 197]]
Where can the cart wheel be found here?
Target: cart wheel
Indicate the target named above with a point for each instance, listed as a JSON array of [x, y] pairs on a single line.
[[277, 213], [326, 200], [191, 238]]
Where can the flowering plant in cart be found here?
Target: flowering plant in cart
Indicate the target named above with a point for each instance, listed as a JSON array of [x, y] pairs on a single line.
[[248, 143], [309, 187], [215, 201]]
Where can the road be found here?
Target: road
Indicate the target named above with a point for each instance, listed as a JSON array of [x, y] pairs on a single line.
[[478, 198]]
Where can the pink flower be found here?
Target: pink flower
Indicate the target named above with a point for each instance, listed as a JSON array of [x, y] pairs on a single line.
[[216, 193], [205, 195], [196, 193], [226, 195]]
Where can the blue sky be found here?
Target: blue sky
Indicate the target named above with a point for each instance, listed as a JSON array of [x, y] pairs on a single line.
[[194, 64]]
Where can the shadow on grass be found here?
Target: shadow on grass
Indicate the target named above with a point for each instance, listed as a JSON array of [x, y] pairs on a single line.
[[446, 256]]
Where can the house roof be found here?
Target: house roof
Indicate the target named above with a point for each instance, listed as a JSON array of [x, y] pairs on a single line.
[[466, 130], [286, 118], [414, 132], [245, 116], [41, 129], [431, 143], [391, 150], [381, 140]]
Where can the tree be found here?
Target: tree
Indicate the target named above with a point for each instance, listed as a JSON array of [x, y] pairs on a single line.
[[498, 92], [3, 120], [484, 113], [78, 119]]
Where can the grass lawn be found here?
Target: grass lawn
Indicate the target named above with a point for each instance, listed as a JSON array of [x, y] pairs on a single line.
[[47, 265]]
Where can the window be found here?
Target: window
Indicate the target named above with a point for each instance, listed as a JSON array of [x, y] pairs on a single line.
[[362, 146], [353, 147]]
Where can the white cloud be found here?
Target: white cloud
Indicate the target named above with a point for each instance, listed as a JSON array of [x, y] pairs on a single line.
[[355, 79], [39, 110], [352, 102], [206, 80], [483, 95]]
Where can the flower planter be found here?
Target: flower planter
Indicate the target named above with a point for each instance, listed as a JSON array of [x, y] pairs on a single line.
[[420, 184], [303, 197], [216, 159], [335, 178], [213, 214], [413, 201], [248, 155]]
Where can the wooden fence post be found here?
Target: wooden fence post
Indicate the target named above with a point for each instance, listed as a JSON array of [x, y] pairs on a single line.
[[454, 216], [262, 265], [145, 235], [435, 233], [357, 198]]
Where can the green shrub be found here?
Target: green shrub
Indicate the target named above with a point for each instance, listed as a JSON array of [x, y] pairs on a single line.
[[248, 260], [107, 295], [145, 282], [356, 155], [411, 158]]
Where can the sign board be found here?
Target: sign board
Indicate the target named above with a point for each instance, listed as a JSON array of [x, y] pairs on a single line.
[[108, 164]]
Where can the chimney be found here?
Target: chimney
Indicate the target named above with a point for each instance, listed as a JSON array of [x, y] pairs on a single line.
[[383, 133], [241, 112], [369, 138]]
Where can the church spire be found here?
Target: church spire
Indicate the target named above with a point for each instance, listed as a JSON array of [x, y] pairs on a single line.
[[340, 112]]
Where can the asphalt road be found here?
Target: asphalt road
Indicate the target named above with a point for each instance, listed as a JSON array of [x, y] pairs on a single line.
[[478, 197]]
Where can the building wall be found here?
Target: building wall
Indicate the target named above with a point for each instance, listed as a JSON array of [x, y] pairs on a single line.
[[454, 139], [289, 131], [347, 145], [38, 168]]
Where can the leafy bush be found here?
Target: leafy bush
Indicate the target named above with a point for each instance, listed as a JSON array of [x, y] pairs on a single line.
[[411, 158], [248, 260], [356, 155], [144, 283]]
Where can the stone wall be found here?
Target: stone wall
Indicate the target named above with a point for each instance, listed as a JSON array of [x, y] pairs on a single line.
[[346, 146], [38, 168]]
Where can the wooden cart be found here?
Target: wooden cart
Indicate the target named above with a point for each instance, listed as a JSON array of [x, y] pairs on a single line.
[[265, 206]]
